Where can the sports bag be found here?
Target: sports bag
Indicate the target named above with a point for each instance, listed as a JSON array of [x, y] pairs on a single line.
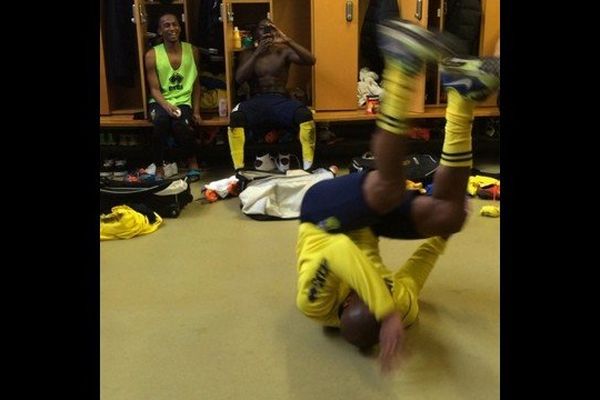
[[417, 167], [269, 196], [167, 198]]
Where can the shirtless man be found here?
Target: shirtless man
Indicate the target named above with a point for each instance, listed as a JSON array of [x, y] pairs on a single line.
[[266, 68]]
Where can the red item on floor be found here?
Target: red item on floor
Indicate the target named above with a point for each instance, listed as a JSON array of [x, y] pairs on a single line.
[[272, 136], [233, 189], [211, 195], [489, 193]]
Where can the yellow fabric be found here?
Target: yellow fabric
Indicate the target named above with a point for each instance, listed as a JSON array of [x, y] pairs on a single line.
[[398, 89], [307, 134], [410, 185], [490, 211], [330, 265], [456, 151], [479, 181], [209, 99], [236, 137], [124, 223]]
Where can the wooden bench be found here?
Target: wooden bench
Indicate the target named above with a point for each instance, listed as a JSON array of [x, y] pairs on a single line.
[[127, 121]]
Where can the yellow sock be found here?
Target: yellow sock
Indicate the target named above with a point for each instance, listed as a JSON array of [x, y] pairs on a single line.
[[236, 138], [308, 135], [398, 87], [457, 151]]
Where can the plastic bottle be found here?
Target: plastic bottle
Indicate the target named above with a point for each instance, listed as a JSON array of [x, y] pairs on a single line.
[[237, 39], [222, 107]]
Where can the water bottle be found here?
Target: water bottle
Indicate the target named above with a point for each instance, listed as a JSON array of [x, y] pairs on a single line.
[[237, 39], [222, 107]]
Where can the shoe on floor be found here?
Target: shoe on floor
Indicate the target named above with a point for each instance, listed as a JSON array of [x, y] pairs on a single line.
[[151, 169], [283, 162], [193, 174], [264, 163], [170, 170]]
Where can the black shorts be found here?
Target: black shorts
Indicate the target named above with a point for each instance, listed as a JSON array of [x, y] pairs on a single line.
[[269, 110], [338, 205]]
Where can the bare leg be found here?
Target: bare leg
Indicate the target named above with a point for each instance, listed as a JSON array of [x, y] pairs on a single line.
[[406, 48], [384, 188], [444, 212], [193, 162], [382, 192]]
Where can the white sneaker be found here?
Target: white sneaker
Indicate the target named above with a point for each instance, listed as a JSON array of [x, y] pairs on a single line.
[[264, 163], [283, 162], [119, 175], [170, 169], [151, 169]]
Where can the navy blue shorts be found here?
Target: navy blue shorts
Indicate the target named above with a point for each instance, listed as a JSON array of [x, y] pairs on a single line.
[[266, 111], [397, 224], [337, 205]]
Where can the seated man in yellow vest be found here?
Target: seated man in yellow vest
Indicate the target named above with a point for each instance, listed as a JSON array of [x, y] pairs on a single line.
[[171, 70], [266, 68]]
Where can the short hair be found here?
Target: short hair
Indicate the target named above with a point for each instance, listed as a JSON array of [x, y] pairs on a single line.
[[359, 326], [164, 15]]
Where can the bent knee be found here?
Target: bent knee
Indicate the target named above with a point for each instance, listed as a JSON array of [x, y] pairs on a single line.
[[302, 114], [161, 121], [452, 222], [237, 119]]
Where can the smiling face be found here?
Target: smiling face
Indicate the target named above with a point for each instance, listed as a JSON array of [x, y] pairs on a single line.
[[169, 28]]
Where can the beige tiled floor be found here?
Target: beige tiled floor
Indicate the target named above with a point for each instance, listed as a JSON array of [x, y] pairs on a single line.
[[204, 308]]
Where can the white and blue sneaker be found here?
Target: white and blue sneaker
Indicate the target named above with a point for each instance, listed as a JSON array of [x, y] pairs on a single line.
[[264, 163], [475, 78], [283, 162], [410, 44]]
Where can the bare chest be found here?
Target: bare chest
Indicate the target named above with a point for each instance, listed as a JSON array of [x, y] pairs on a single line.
[[272, 63], [175, 59]]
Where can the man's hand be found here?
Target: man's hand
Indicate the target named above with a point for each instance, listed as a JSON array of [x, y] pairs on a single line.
[[197, 118], [391, 338], [279, 36], [263, 45], [172, 110]]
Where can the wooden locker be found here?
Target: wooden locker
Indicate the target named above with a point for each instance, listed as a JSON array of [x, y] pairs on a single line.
[[334, 29]]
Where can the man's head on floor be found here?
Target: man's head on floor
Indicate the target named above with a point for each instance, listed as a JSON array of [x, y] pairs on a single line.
[[357, 323]]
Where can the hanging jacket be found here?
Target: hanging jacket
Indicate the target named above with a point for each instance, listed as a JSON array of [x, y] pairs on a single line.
[[377, 10], [210, 26], [120, 43], [463, 20]]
